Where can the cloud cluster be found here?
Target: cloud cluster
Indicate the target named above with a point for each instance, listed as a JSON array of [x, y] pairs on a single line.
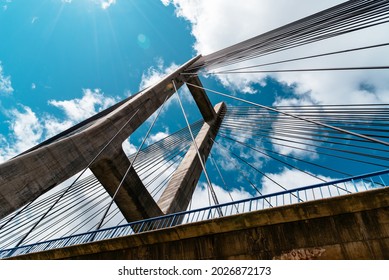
[[290, 179], [220, 23], [157, 136], [79, 109], [155, 74], [5, 82], [28, 129], [128, 147], [201, 196]]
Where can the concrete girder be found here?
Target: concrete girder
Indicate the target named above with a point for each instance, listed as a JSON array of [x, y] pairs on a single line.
[[178, 193], [201, 99], [133, 199]]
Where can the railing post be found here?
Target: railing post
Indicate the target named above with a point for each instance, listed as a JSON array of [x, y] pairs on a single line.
[[67, 241], [372, 181], [209, 213], [382, 180], [174, 218], [337, 188], [345, 186], [364, 184], [11, 252], [355, 186], [141, 227], [329, 190]]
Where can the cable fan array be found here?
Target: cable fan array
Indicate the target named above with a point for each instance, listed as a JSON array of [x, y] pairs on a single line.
[[252, 139], [83, 205], [344, 18], [279, 136]]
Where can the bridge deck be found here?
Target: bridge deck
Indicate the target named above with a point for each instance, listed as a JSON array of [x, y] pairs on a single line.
[[354, 226]]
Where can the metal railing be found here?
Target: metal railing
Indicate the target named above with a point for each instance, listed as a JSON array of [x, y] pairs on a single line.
[[287, 197]]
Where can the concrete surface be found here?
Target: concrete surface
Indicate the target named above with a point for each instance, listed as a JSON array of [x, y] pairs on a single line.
[[353, 226]]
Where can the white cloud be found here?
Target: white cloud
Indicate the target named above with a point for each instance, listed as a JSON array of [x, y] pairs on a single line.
[[155, 74], [129, 148], [220, 23], [33, 86], [5, 82], [80, 109], [105, 4], [289, 179], [201, 197], [5, 152], [157, 176], [26, 132], [66, 1], [28, 129], [52, 125], [287, 146], [300, 150], [157, 136]]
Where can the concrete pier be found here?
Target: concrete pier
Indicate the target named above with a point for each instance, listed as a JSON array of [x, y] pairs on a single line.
[[201, 99], [178, 193], [133, 199]]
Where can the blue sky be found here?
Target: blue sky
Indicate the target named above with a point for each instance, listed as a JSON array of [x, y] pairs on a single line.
[[61, 50], [61, 61]]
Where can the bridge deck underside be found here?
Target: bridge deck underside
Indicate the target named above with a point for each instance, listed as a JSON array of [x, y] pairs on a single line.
[[353, 226]]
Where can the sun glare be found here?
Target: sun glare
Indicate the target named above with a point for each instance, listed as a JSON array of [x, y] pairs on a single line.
[[105, 4]]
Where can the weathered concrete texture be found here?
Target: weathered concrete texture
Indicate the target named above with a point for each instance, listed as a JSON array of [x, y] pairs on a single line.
[[349, 227], [201, 99], [132, 198], [29, 175], [178, 193]]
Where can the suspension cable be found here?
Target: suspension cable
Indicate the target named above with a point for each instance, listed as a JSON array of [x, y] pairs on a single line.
[[131, 165], [198, 153], [297, 117], [71, 185], [305, 57]]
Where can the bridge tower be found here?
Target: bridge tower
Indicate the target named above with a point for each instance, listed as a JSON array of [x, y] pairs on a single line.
[[346, 227], [96, 143]]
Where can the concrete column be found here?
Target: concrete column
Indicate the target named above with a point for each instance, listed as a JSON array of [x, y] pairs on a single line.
[[133, 199], [201, 99], [31, 174], [178, 193]]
